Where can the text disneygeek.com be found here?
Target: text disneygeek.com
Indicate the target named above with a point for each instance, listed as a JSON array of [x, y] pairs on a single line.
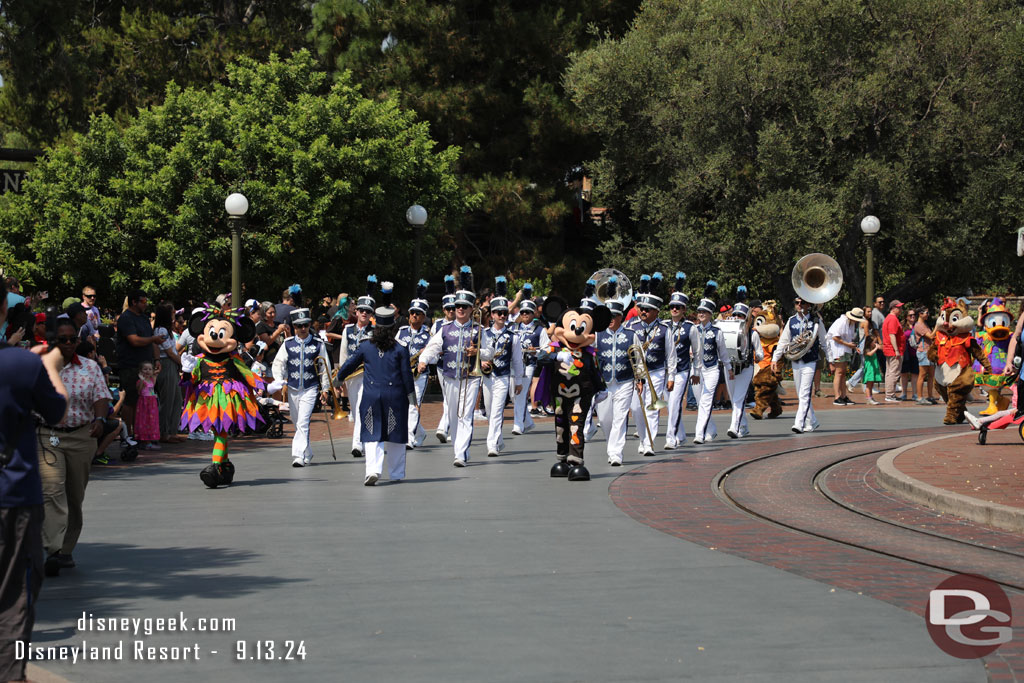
[[141, 650]]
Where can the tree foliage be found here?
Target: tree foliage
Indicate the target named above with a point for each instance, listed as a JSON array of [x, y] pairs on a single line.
[[487, 76], [63, 62], [738, 136], [328, 174]]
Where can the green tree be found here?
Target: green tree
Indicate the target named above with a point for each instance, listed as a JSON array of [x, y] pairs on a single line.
[[487, 76], [64, 61], [738, 136], [328, 173]]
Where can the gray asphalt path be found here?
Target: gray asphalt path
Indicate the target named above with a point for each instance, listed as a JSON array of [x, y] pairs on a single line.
[[495, 572]]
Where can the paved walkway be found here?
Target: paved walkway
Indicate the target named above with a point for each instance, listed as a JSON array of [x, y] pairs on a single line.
[[495, 572]]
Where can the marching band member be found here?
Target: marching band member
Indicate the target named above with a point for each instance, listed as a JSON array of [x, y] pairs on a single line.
[[708, 346], [502, 361], [448, 309], [613, 362], [453, 346], [653, 335], [414, 337], [529, 332], [353, 335], [805, 325], [295, 365], [679, 332], [388, 391], [743, 369]]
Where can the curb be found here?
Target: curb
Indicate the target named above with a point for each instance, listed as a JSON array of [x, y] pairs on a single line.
[[894, 480]]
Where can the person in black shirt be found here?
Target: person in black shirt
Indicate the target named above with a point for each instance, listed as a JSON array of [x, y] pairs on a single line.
[[135, 345]]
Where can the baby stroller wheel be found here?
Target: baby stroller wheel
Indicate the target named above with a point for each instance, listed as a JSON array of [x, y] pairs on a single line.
[[129, 453]]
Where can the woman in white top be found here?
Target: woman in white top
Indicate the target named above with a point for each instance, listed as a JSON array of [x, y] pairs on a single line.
[[841, 343], [168, 380]]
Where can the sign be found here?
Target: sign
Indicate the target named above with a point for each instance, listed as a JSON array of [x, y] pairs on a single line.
[[11, 181], [974, 602]]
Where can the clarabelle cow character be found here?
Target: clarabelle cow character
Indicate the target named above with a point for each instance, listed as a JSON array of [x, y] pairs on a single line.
[[222, 390], [571, 375]]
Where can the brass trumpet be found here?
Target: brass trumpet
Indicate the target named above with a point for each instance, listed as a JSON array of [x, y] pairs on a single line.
[[639, 364]]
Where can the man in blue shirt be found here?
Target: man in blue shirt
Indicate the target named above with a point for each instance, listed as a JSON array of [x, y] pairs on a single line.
[[28, 383]]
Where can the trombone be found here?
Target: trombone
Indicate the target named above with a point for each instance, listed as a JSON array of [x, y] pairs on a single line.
[[640, 372], [321, 368], [463, 394]]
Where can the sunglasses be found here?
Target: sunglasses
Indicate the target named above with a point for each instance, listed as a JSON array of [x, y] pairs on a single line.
[[675, 308], [499, 312], [65, 339], [89, 296], [300, 326], [461, 306]]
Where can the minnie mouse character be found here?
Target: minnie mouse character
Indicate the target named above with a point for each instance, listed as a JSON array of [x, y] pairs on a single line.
[[221, 393], [572, 377]]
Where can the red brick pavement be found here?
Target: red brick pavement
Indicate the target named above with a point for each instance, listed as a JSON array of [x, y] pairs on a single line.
[[676, 496], [992, 472]]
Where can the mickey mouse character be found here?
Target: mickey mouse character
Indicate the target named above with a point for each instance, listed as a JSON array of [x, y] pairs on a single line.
[[222, 390], [573, 378]]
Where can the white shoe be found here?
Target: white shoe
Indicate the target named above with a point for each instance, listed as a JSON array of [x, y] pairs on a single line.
[[371, 479], [797, 430], [297, 462], [477, 415], [517, 432], [975, 422], [732, 434], [307, 460], [669, 445], [810, 428], [698, 440], [458, 462], [441, 436], [492, 454], [614, 463]]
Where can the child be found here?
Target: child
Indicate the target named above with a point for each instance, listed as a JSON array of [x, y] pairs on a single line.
[[872, 368], [147, 411]]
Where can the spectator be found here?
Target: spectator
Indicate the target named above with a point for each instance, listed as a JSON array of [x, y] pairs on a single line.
[[168, 381], [69, 446], [39, 330], [878, 313], [77, 314], [270, 332], [135, 345], [841, 343], [909, 369], [31, 383], [872, 365], [92, 310], [283, 310], [893, 343], [926, 371]]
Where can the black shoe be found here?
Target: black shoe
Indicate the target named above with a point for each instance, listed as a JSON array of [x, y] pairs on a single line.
[[65, 560], [52, 565], [983, 434], [356, 453], [691, 407]]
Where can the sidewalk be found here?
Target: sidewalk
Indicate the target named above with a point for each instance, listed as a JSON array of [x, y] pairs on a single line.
[[953, 474]]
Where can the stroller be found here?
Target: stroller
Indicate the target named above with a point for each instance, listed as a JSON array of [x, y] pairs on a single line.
[[273, 420]]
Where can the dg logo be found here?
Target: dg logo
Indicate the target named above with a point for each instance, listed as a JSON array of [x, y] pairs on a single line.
[[968, 616]]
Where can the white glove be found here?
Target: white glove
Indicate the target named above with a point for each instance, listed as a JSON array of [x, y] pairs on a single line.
[[261, 345], [564, 357], [275, 387], [188, 362]]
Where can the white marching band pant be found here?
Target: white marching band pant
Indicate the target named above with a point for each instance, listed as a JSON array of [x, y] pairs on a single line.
[[416, 431], [705, 429], [495, 392], [379, 451], [653, 416], [613, 414], [300, 407], [522, 420], [461, 428], [675, 432], [738, 395], [803, 377], [355, 393], [442, 423]]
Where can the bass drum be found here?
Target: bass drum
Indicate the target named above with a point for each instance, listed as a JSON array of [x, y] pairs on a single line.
[[737, 340]]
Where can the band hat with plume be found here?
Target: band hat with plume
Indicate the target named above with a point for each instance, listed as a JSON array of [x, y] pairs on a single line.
[[588, 303], [367, 302], [419, 302], [650, 291], [300, 316], [707, 303], [678, 296], [465, 294], [611, 291], [741, 308], [448, 300], [528, 304], [499, 302]]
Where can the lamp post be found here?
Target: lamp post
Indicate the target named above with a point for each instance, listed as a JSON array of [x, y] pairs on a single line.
[[416, 215], [236, 205], [869, 225]]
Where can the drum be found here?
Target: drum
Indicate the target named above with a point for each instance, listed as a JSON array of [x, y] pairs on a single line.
[[737, 341]]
